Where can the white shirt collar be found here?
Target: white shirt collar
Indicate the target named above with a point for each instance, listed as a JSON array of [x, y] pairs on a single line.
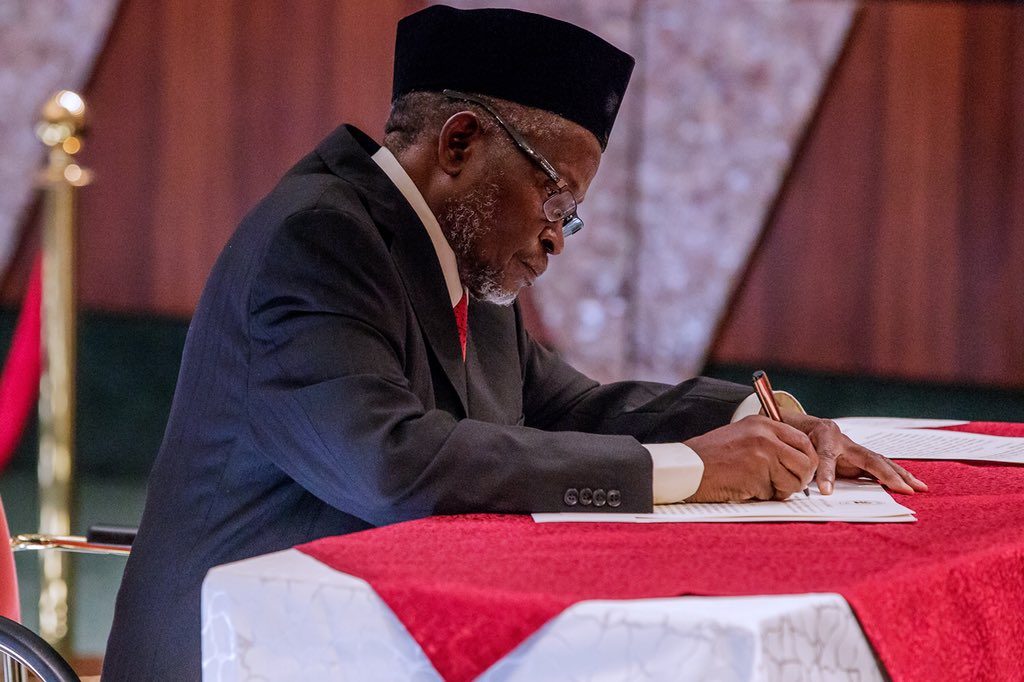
[[445, 256]]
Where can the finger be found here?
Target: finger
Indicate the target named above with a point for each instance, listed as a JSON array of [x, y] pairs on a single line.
[[917, 484], [765, 488], [765, 493], [784, 481], [799, 457], [799, 420], [826, 476], [882, 469], [797, 464]]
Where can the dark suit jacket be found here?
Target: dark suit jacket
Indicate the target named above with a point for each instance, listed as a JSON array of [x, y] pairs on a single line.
[[322, 391]]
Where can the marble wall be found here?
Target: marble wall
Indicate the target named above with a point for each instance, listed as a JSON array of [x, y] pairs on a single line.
[[44, 46], [721, 94]]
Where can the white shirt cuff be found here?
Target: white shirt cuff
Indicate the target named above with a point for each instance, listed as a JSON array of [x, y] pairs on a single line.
[[751, 405], [677, 471]]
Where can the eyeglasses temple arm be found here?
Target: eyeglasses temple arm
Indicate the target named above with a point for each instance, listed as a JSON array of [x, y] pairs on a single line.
[[513, 133]]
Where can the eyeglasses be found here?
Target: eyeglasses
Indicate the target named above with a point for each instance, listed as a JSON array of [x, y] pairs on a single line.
[[561, 204]]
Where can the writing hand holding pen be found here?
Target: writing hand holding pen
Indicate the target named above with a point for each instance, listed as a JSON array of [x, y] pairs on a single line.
[[837, 454], [758, 458]]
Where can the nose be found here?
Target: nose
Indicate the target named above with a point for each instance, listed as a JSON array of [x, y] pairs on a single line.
[[551, 238]]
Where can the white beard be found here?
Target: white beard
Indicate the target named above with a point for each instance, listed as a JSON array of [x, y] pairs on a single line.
[[465, 220]]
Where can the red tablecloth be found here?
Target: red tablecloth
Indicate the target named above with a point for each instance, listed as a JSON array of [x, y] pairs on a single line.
[[941, 599]]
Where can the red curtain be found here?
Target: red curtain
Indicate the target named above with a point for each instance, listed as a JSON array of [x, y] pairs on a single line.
[[19, 383]]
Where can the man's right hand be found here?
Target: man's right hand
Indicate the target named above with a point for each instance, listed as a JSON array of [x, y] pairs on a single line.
[[753, 459]]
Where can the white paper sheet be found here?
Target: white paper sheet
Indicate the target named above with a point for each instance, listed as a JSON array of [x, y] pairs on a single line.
[[930, 444], [897, 422], [858, 501]]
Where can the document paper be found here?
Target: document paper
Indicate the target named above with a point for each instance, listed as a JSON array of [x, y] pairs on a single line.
[[856, 501], [917, 443]]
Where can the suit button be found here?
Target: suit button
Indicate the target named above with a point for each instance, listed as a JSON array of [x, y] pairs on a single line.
[[600, 497], [586, 497], [614, 498], [571, 497]]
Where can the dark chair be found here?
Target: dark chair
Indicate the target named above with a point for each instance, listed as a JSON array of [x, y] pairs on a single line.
[[23, 650]]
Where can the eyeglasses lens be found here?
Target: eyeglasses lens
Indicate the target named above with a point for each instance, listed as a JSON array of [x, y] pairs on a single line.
[[559, 205], [562, 206]]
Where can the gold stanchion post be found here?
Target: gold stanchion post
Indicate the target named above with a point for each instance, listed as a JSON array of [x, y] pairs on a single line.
[[63, 118]]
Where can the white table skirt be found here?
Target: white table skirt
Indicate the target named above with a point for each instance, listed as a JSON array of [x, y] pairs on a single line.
[[286, 616]]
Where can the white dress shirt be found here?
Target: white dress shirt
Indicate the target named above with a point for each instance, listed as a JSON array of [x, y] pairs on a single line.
[[677, 468]]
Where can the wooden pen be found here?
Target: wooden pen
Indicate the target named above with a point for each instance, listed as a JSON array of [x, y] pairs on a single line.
[[763, 389]]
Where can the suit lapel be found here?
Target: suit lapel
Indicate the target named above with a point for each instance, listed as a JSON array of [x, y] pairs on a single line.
[[347, 153], [494, 371], [425, 285]]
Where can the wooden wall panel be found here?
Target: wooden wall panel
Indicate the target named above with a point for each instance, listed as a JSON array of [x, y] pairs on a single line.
[[898, 245], [197, 109]]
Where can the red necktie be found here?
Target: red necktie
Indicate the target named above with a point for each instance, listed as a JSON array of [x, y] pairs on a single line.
[[461, 310]]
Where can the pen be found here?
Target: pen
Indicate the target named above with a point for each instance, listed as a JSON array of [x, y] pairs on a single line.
[[763, 389]]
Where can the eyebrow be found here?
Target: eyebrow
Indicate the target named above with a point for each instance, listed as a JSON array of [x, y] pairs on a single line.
[[575, 187], [570, 180]]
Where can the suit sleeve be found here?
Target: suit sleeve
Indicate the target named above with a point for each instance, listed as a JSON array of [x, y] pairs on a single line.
[[558, 397], [330, 405]]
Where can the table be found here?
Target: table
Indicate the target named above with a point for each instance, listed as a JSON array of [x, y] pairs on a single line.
[[507, 599], [286, 616]]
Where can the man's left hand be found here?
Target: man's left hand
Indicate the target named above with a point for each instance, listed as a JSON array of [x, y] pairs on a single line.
[[838, 455]]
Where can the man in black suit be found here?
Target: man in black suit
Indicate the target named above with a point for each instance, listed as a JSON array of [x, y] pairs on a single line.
[[358, 359]]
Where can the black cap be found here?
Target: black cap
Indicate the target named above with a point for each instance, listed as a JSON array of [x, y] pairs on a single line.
[[523, 57]]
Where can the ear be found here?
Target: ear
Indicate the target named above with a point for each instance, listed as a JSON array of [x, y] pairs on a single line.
[[460, 136]]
